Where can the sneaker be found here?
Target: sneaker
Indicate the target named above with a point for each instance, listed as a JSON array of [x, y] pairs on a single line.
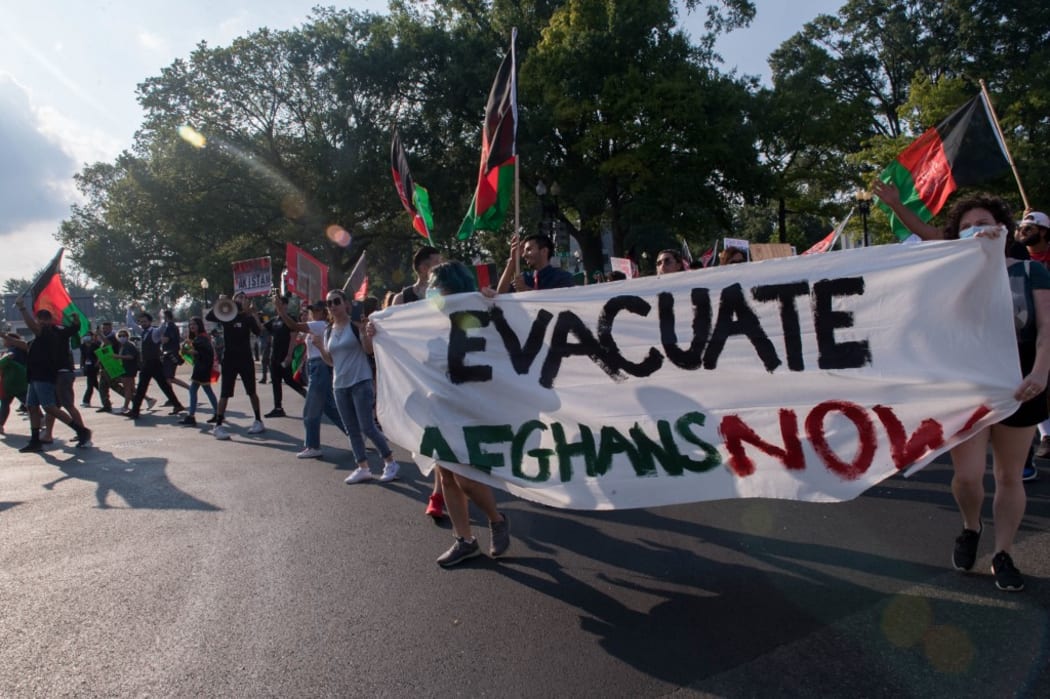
[[359, 475], [85, 404], [177, 409], [436, 506], [83, 438], [256, 428], [460, 551], [133, 415], [262, 380], [34, 445], [220, 432], [389, 472], [212, 419], [150, 402], [104, 409], [1030, 473], [500, 532], [188, 420], [165, 404], [309, 453], [276, 412], [1007, 577], [965, 554], [1043, 450]]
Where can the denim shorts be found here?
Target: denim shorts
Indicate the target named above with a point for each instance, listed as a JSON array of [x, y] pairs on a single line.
[[41, 394]]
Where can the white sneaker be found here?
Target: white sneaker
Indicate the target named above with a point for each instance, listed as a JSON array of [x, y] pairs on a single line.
[[309, 453], [360, 475], [256, 428], [389, 472], [220, 432]]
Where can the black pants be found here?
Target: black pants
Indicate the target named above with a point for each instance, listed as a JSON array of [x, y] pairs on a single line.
[[92, 384], [155, 371], [280, 374]]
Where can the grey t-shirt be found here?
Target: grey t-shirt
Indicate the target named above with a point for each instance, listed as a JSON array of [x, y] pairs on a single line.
[[349, 362]]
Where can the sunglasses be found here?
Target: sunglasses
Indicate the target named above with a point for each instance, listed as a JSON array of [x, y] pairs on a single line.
[[334, 302]]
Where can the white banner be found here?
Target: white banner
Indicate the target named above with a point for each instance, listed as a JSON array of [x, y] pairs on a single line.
[[807, 378]]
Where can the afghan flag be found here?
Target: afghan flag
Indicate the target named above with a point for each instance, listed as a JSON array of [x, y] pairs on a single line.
[[487, 274], [965, 149], [499, 153], [414, 198], [50, 293]]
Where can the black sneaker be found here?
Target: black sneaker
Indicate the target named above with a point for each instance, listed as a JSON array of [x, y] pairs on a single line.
[[1043, 450], [965, 554], [133, 415], [84, 438], [460, 551], [213, 419], [105, 409], [188, 420], [1007, 577], [276, 412], [177, 409], [500, 532], [33, 446]]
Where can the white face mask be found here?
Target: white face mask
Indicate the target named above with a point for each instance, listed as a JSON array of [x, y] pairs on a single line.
[[974, 230]]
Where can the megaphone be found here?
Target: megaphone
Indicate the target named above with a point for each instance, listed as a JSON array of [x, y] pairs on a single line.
[[225, 309]]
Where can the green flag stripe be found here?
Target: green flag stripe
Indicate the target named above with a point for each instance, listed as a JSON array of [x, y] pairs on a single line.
[[899, 176]]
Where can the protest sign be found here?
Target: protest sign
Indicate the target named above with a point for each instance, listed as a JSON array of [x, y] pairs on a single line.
[[113, 367], [252, 277], [306, 277], [807, 378]]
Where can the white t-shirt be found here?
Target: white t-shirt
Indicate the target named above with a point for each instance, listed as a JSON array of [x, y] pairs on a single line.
[[316, 328]]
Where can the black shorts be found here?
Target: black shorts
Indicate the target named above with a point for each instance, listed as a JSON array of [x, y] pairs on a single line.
[[1033, 411], [231, 370]]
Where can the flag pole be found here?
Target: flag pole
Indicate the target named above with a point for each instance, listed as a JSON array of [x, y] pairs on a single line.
[[1002, 140], [517, 208], [517, 156]]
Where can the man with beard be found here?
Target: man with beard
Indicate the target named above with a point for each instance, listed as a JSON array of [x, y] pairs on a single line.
[[238, 360], [536, 250]]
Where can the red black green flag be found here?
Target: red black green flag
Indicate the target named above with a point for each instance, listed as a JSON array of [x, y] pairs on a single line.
[[487, 274], [499, 152], [50, 293], [414, 198], [963, 150]]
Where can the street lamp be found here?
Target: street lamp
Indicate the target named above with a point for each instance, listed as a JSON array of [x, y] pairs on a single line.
[[204, 293], [863, 197]]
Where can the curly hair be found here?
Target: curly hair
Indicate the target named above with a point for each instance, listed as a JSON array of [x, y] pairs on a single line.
[[998, 208], [452, 278]]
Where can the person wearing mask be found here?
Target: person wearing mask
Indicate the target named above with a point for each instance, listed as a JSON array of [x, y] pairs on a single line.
[[203, 354]]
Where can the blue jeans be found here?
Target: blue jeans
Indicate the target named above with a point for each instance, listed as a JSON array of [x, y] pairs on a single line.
[[196, 386], [355, 405], [319, 401]]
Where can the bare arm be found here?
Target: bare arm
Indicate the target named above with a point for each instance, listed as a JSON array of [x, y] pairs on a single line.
[[888, 195], [28, 317], [1035, 381], [510, 270]]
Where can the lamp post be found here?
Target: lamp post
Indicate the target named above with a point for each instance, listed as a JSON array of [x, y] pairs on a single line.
[[863, 197], [204, 294], [549, 224]]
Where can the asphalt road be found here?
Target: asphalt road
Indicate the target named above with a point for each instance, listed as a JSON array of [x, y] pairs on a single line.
[[165, 563]]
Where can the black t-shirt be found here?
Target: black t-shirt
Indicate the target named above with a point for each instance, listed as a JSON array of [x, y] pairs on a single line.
[[49, 352], [281, 337], [237, 337], [408, 294]]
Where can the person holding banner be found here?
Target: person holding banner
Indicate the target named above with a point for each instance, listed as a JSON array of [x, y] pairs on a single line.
[[446, 279], [988, 216], [89, 366], [425, 259], [280, 374], [346, 350]]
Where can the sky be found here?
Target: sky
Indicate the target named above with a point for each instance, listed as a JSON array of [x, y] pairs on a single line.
[[69, 70]]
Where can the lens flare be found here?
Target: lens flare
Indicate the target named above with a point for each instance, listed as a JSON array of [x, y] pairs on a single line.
[[949, 649], [339, 236], [192, 136], [906, 620], [293, 206]]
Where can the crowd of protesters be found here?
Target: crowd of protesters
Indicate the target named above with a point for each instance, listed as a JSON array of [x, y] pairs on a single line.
[[325, 355]]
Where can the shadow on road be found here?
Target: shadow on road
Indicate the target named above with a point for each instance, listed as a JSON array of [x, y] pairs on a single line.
[[140, 482]]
